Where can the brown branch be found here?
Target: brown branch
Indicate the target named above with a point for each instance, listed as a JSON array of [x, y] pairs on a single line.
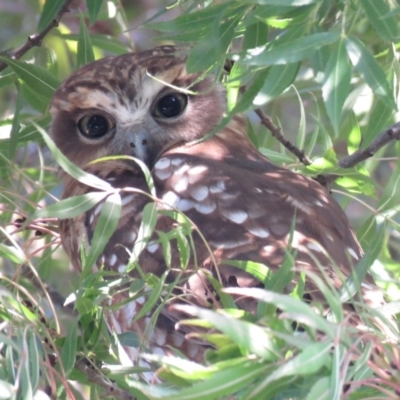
[[392, 133], [37, 38], [277, 133]]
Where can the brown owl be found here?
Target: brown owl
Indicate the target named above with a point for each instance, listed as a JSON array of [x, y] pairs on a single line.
[[243, 207]]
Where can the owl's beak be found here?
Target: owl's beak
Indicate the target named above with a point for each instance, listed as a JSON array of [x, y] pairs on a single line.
[[139, 141]]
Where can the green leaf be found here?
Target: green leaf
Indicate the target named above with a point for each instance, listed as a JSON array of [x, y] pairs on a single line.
[[33, 357], [377, 12], [370, 70], [309, 361], [105, 227], [50, 10], [37, 78], [85, 53], [336, 84], [93, 7], [377, 122], [68, 351], [16, 126], [279, 78], [12, 253], [255, 35], [146, 229], [303, 312], [286, 3], [289, 52], [69, 167], [104, 42], [253, 338], [71, 207]]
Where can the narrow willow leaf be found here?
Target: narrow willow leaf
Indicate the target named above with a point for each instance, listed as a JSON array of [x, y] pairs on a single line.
[[286, 3], [290, 52], [319, 390], [146, 229], [255, 35], [377, 122], [12, 253], [304, 313], [353, 282], [71, 207], [377, 12], [104, 42], [69, 167], [50, 10], [336, 86], [354, 133], [15, 128], [33, 356], [251, 92], [370, 70], [37, 78], [85, 53], [250, 337], [105, 227], [68, 351], [154, 297], [93, 7], [191, 22], [309, 361], [279, 78]]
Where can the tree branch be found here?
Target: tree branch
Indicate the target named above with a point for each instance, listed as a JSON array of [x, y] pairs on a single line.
[[277, 133], [385, 137], [37, 38]]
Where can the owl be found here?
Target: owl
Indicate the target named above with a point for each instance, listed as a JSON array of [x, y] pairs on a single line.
[[146, 106]]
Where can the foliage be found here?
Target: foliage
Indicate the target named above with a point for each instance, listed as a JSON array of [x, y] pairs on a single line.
[[332, 66]]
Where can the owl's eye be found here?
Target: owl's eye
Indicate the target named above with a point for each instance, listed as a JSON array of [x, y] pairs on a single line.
[[95, 126], [171, 105]]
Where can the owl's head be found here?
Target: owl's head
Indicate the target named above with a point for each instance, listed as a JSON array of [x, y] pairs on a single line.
[[136, 104]]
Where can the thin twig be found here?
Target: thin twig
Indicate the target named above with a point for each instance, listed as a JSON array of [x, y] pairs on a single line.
[[392, 133], [37, 38], [95, 376], [277, 133]]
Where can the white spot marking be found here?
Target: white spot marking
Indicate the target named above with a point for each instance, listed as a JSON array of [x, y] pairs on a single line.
[[113, 259], [352, 253], [171, 198], [159, 351], [152, 247], [122, 268], [197, 170], [163, 163], [98, 209], [162, 174], [258, 190], [184, 205], [178, 340], [199, 192], [182, 169], [229, 244], [318, 203], [268, 250], [300, 205], [127, 199], [257, 231], [192, 350], [236, 216], [217, 187], [297, 238], [315, 247], [182, 184], [205, 208], [91, 219], [160, 336], [132, 237], [129, 311], [176, 161]]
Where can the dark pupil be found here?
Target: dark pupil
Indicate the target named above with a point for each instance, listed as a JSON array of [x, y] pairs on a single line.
[[169, 106], [97, 126]]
